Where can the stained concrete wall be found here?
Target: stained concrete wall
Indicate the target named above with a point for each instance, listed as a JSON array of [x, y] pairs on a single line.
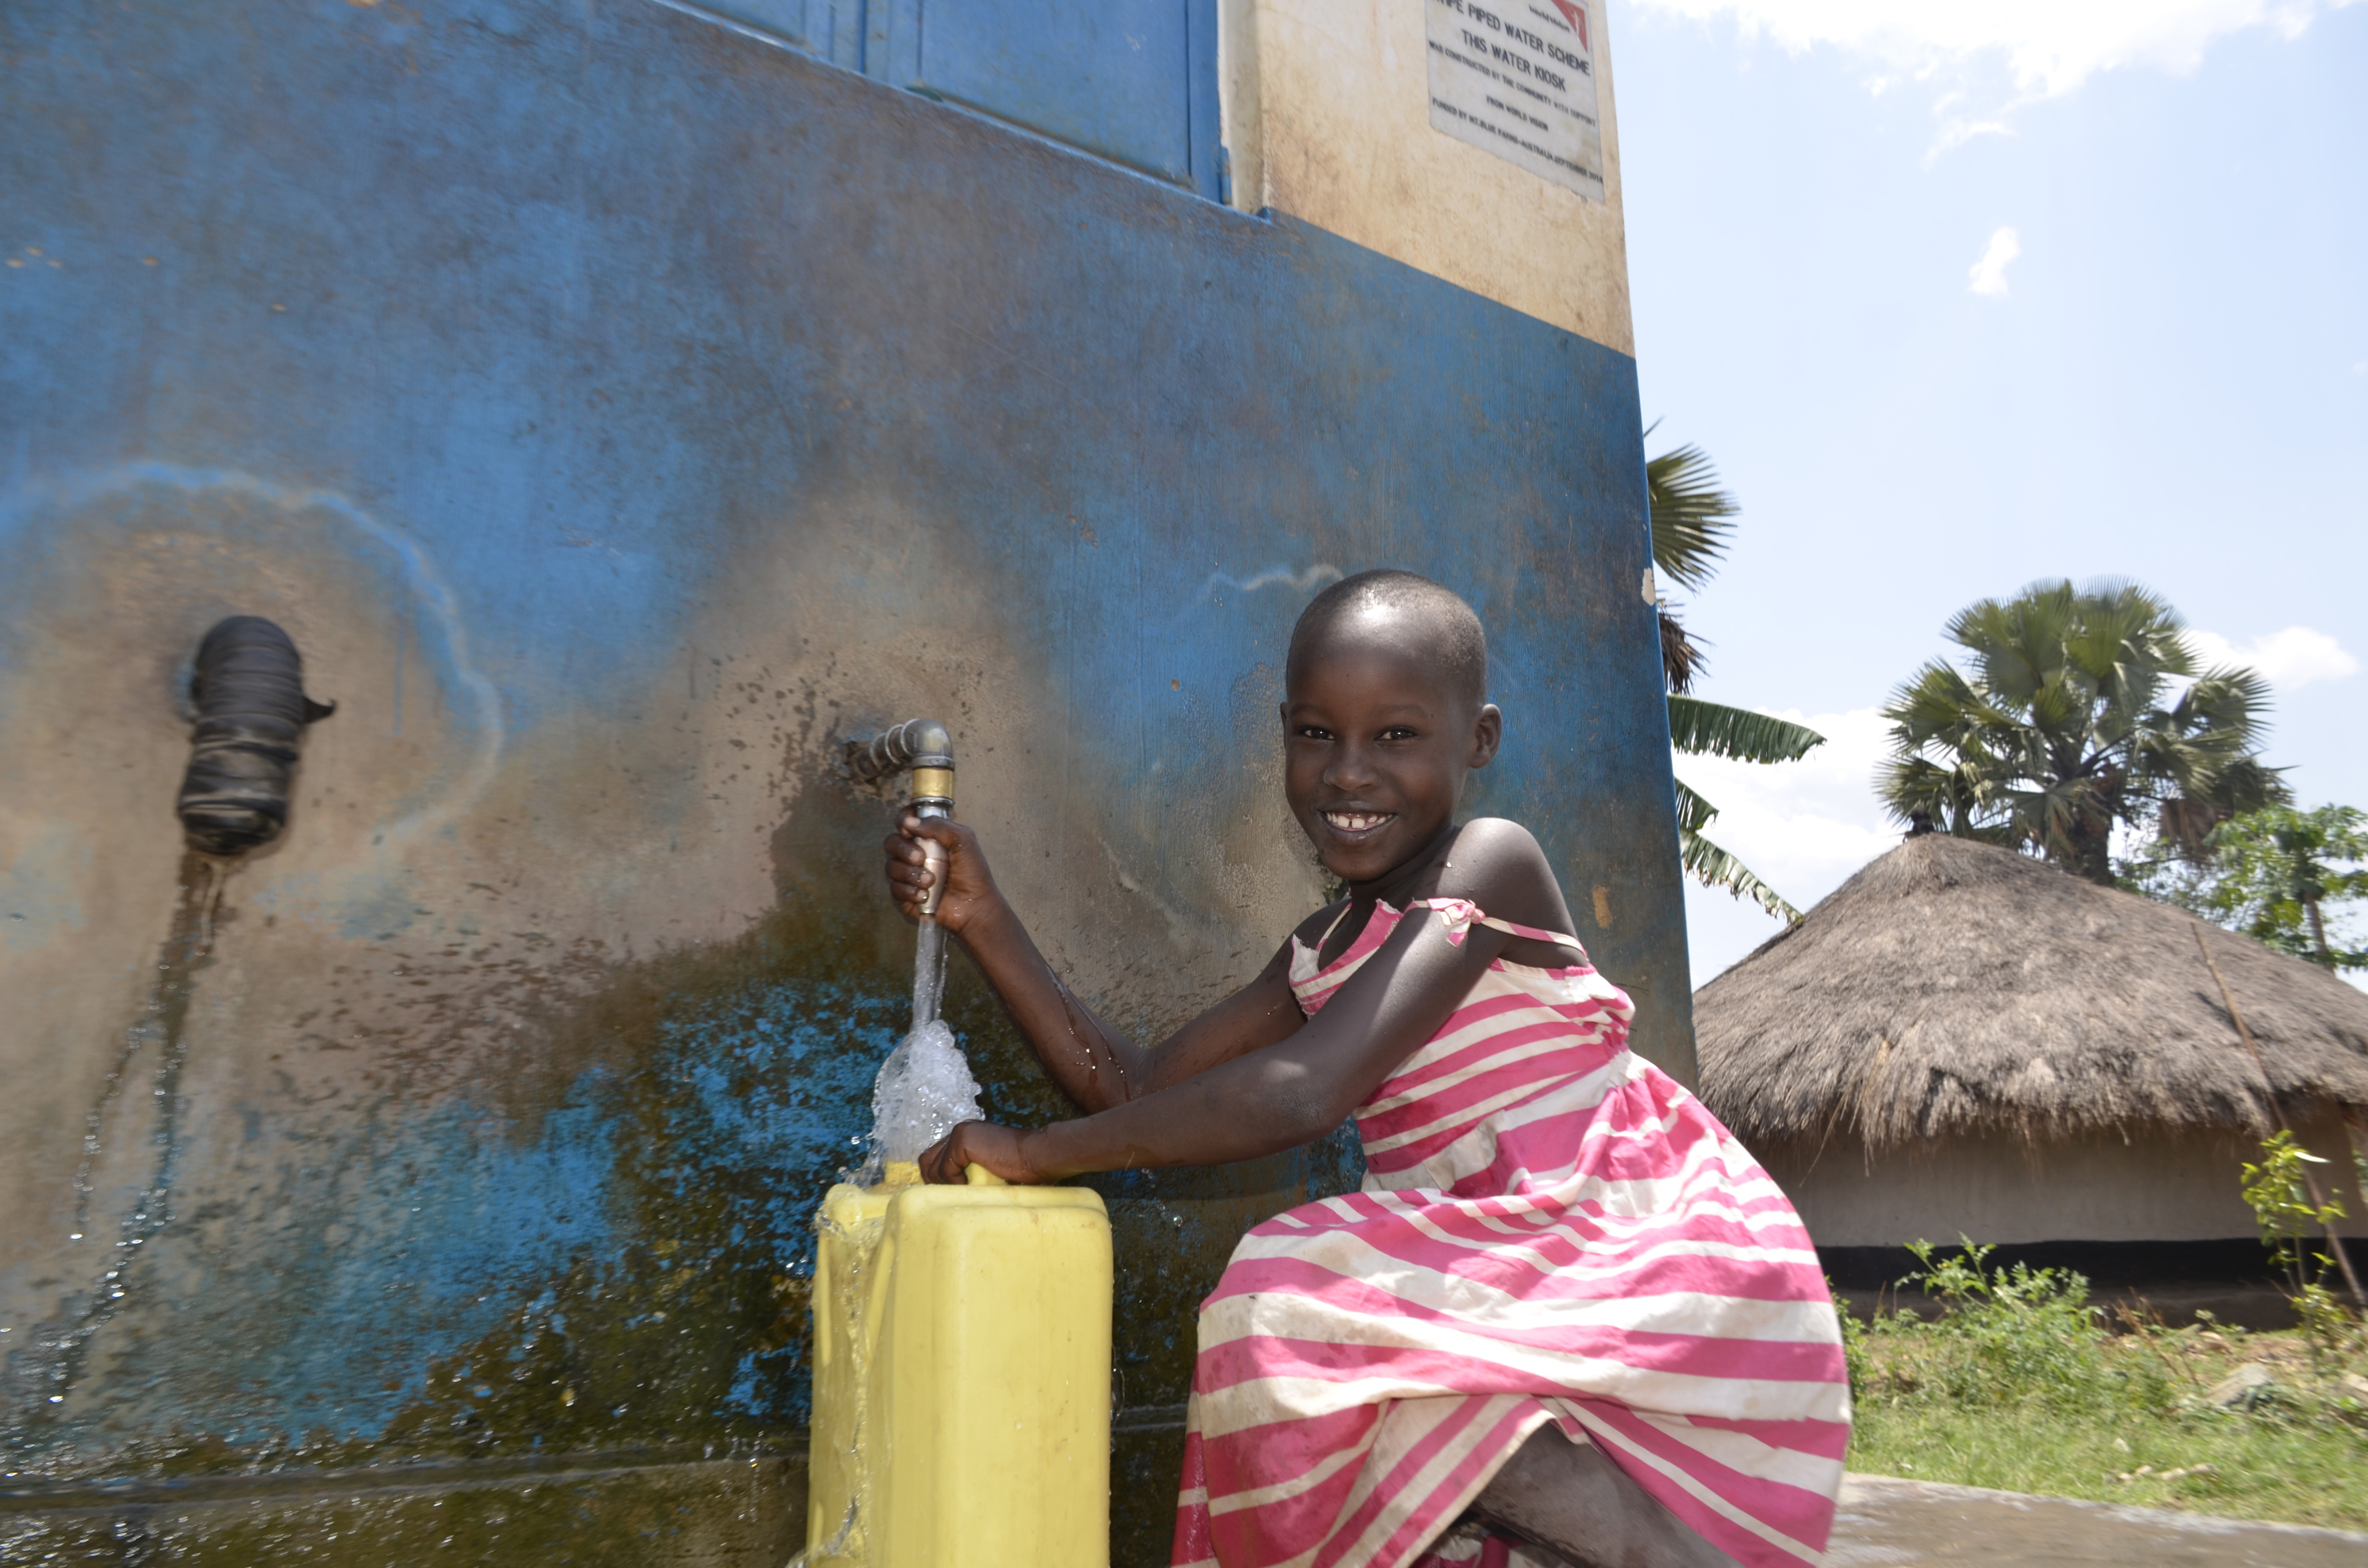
[[1327, 117], [621, 412]]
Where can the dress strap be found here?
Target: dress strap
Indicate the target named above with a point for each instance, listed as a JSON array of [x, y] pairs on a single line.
[[1462, 914], [1315, 950]]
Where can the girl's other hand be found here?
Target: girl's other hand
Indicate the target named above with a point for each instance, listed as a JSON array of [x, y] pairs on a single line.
[[948, 1161], [970, 887]]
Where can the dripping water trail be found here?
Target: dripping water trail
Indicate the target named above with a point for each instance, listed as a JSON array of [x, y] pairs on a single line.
[[160, 1038]]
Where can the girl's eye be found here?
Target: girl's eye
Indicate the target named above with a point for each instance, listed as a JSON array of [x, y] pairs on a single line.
[[1314, 733], [1398, 732]]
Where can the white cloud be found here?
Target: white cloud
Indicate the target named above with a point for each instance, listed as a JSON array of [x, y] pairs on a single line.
[[2051, 46], [1805, 826], [2288, 659], [1988, 275], [2043, 49]]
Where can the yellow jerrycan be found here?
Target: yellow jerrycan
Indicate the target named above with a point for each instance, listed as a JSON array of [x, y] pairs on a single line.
[[961, 1376]]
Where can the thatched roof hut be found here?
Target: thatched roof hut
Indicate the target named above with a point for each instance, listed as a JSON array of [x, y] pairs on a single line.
[[1964, 1040]]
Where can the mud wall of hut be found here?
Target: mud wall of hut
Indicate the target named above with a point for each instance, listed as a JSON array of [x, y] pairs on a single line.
[[2152, 1183]]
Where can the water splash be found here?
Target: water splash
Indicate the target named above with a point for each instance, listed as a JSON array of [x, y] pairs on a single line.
[[925, 1088]]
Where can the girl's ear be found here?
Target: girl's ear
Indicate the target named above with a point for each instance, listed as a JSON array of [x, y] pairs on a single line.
[[1487, 735]]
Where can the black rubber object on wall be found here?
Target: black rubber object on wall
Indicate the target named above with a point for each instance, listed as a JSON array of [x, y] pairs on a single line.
[[249, 691]]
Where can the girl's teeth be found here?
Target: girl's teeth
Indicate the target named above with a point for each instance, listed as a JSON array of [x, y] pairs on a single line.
[[1353, 821]]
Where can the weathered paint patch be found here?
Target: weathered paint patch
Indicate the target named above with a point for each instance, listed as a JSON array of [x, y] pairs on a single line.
[[40, 898]]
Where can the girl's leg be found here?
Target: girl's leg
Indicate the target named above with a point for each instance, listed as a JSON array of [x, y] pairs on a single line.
[[1568, 1498]]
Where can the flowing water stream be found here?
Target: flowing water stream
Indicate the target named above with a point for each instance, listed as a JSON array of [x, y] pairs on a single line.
[[925, 1088]]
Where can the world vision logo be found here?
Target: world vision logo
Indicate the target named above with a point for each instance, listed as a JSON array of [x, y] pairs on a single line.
[[1574, 13]]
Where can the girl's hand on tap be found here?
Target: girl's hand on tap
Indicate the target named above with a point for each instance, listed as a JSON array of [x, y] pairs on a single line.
[[946, 1162], [969, 885]]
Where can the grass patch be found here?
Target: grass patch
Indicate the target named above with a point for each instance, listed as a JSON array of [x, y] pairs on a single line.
[[2293, 1476], [2022, 1384]]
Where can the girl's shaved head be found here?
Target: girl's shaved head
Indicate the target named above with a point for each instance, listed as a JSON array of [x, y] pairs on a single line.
[[1410, 607]]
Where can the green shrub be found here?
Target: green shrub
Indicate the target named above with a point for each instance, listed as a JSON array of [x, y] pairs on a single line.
[[2005, 1336], [2286, 1200]]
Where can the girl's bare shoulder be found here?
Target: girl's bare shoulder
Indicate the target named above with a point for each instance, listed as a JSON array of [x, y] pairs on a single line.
[[1499, 865], [1489, 850]]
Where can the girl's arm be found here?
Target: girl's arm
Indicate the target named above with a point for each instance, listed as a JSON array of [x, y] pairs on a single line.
[[1097, 1065], [1305, 1084]]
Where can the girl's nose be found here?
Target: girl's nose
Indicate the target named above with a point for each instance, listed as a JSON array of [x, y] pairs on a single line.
[[1350, 768]]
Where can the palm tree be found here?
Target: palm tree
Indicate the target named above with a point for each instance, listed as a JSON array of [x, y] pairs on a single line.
[[1690, 526], [1691, 516], [2076, 710]]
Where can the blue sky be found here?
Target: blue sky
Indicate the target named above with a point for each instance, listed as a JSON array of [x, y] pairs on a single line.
[[2161, 372]]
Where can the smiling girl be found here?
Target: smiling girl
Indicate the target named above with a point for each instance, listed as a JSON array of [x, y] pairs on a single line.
[[1566, 1305]]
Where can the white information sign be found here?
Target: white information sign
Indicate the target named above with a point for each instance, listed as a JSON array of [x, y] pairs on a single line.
[[1517, 77]]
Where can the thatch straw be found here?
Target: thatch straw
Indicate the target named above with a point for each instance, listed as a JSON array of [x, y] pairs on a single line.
[[1951, 987]]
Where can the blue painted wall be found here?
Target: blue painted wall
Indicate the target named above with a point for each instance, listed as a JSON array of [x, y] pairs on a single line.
[[622, 411]]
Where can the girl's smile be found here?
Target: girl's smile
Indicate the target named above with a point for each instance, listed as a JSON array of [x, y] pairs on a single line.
[[1358, 824]]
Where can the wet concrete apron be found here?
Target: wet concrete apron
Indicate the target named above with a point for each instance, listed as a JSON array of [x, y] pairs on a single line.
[[1886, 1522]]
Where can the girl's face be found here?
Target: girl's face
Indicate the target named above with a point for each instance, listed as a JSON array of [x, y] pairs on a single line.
[[1377, 740]]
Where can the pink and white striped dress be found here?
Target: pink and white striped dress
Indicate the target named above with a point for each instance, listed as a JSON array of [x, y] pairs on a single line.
[[1551, 1230]]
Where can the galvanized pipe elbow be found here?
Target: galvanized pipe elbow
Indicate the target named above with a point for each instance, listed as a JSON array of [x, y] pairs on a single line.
[[924, 747], [921, 744]]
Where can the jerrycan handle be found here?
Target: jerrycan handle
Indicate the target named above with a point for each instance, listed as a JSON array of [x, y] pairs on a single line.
[[979, 1176]]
